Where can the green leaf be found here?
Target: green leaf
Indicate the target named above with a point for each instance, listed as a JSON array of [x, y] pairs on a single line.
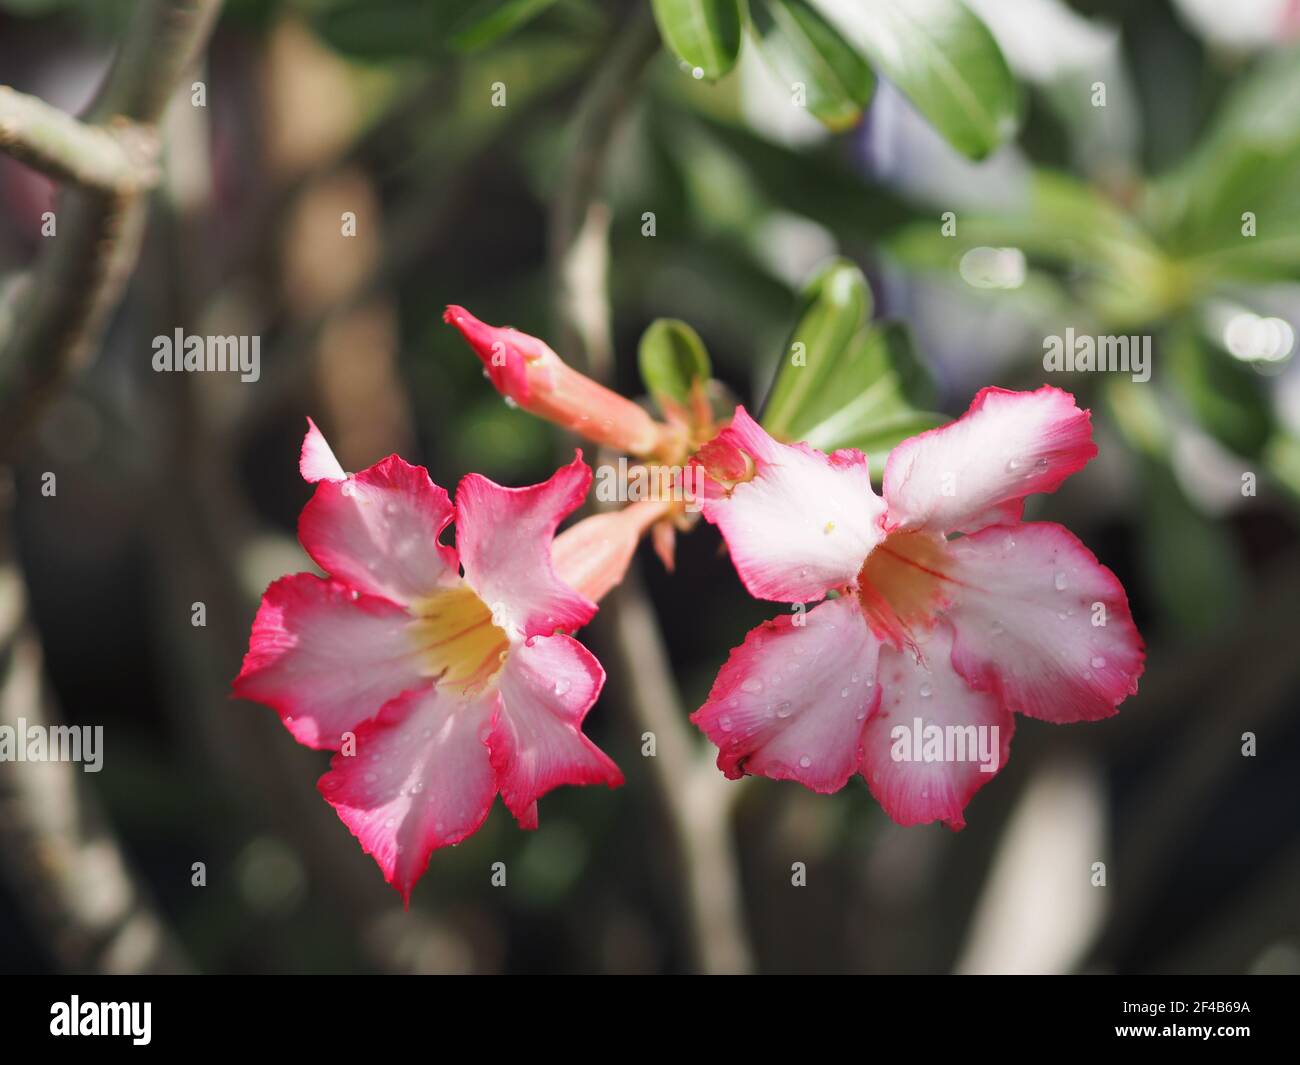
[[1227, 398], [803, 48], [944, 60], [1247, 162], [703, 34], [1193, 565], [376, 29], [490, 20], [835, 305], [874, 396], [383, 29], [673, 361]]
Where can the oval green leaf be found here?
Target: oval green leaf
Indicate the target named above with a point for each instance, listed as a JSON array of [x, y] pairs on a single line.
[[807, 51], [944, 60], [673, 361], [703, 34], [836, 303]]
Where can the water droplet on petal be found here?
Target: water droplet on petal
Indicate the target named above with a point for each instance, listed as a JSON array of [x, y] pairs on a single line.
[[563, 685], [1013, 465], [725, 722], [844, 693], [805, 761], [1059, 580], [752, 685], [783, 708], [854, 677], [926, 689], [1098, 662]]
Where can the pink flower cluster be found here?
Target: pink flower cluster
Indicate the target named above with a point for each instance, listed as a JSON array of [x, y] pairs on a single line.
[[444, 675]]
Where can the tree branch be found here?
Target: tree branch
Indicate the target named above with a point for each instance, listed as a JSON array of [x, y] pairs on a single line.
[[118, 160], [80, 278]]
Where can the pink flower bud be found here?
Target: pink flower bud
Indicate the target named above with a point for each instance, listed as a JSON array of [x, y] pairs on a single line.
[[523, 369]]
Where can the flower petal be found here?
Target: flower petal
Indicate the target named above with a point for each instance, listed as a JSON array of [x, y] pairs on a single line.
[[919, 702], [791, 701], [801, 524], [326, 659], [977, 470], [547, 686], [421, 778], [1040, 622], [378, 531], [316, 461], [504, 536]]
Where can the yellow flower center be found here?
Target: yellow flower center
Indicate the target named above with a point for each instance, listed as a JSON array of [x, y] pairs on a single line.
[[458, 639]]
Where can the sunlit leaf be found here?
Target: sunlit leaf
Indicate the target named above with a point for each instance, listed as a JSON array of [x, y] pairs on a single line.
[[835, 305], [943, 59], [703, 34], [806, 51]]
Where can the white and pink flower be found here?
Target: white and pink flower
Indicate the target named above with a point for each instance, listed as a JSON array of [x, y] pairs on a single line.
[[440, 674], [939, 604]]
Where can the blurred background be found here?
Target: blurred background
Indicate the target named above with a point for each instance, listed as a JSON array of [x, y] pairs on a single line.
[[175, 489]]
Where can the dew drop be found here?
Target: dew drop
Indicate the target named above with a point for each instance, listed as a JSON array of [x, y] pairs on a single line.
[[563, 685], [1059, 581], [752, 685], [1098, 662], [926, 690], [725, 722], [1013, 465], [510, 402], [844, 693], [783, 708], [805, 761]]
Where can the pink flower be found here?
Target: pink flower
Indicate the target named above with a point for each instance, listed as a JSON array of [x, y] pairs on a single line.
[[929, 633], [438, 673]]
